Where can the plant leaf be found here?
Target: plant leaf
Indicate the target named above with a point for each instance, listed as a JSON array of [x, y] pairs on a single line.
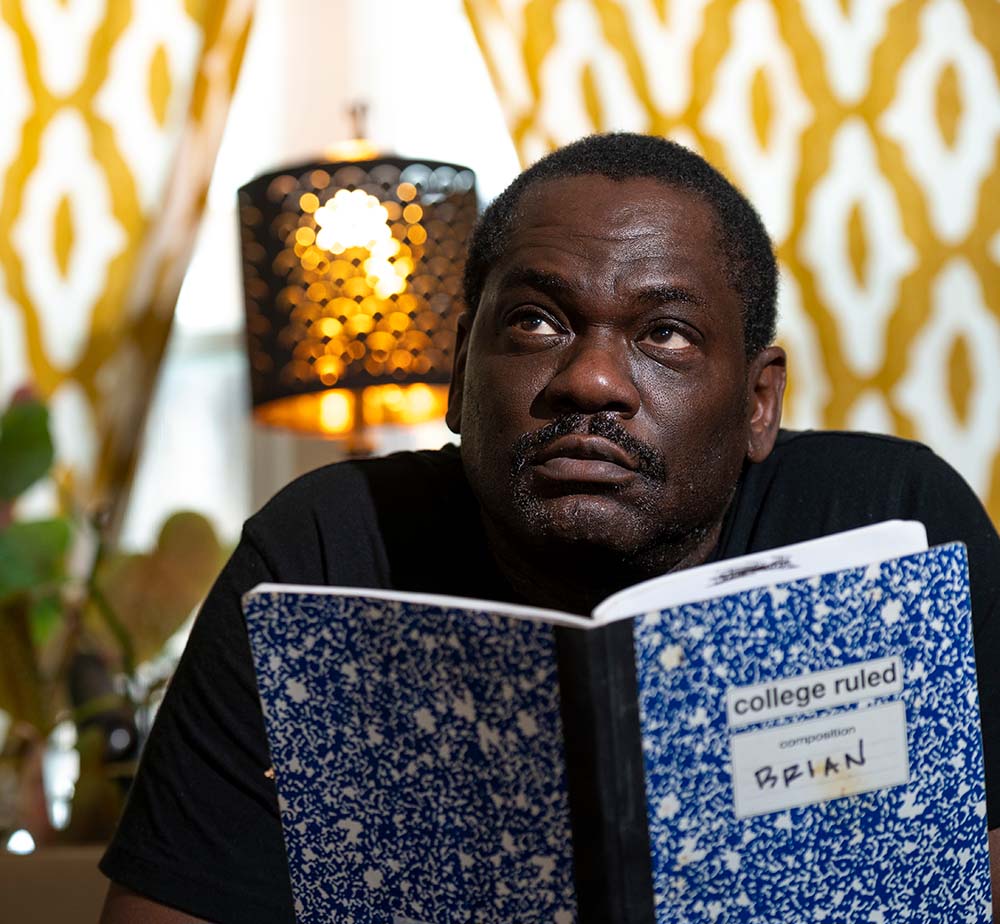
[[151, 595], [44, 618], [26, 450], [32, 554]]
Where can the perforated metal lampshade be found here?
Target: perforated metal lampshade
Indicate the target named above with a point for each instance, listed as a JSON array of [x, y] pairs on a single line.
[[352, 279]]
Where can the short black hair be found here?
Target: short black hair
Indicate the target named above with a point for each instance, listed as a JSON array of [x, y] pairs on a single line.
[[753, 272]]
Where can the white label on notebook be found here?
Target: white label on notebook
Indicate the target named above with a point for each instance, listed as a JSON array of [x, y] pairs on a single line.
[[803, 763], [813, 691]]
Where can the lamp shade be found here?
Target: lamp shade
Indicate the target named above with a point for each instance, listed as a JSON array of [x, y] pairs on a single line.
[[352, 277]]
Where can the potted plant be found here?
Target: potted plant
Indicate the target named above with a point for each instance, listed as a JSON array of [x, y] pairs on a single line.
[[82, 629]]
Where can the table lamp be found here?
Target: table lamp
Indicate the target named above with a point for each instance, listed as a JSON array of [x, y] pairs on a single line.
[[352, 273]]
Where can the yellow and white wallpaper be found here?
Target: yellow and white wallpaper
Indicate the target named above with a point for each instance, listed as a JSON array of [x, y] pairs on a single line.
[[111, 112], [866, 132]]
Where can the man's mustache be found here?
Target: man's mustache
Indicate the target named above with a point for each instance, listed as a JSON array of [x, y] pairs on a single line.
[[648, 461]]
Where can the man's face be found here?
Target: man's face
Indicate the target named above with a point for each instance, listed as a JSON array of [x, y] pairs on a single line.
[[603, 393]]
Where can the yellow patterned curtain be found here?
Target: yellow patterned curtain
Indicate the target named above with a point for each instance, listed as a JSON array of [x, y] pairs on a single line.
[[866, 132], [111, 112]]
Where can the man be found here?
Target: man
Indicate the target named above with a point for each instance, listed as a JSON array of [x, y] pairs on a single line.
[[618, 401]]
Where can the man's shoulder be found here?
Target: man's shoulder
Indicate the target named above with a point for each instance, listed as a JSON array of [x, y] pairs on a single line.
[[349, 513], [351, 482], [845, 446], [841, 464], [838, 460], [817, 482]]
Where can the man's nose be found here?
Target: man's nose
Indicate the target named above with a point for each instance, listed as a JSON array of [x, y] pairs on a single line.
[[594, 375]]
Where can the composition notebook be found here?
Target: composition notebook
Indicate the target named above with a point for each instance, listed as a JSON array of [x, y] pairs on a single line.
[[787, 737]]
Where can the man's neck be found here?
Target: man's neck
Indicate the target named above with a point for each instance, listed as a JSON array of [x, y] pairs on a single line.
[[574, 577]]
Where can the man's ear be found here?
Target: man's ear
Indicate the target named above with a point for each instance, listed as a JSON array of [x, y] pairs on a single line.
[[766, 387], [456, 387]]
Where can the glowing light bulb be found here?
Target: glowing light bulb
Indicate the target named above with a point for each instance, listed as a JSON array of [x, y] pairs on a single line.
[[352, 218], [335, 412], [21, 842]]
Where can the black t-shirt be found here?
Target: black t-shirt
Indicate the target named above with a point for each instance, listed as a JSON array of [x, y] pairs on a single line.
[[201, 831]]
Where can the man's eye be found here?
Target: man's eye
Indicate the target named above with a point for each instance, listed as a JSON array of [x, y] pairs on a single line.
[[666, 336], [532, 322]]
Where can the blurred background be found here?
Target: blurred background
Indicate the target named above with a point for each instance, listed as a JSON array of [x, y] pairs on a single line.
[[172, 350]]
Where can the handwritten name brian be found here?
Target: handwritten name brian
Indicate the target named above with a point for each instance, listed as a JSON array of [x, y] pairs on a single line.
[[832, 765]]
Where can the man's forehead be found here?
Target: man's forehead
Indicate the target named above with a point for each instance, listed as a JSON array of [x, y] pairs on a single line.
[[618, 204], [641, 230]]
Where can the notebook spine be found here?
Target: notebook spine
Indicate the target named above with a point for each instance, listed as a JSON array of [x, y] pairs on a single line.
[[605, 775]]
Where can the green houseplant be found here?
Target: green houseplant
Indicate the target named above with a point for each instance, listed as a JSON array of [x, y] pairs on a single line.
[[79, 619]]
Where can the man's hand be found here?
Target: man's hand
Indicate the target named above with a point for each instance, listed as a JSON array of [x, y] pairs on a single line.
[[123, 906]]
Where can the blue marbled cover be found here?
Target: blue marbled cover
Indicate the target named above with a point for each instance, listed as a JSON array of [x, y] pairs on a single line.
[[913, 853], [419, 762]]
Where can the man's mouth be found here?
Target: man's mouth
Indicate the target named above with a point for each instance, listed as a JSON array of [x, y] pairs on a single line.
[[584, 458], [578, 448]]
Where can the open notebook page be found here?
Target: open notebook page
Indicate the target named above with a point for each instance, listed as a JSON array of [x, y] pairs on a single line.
[[851, 549]]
